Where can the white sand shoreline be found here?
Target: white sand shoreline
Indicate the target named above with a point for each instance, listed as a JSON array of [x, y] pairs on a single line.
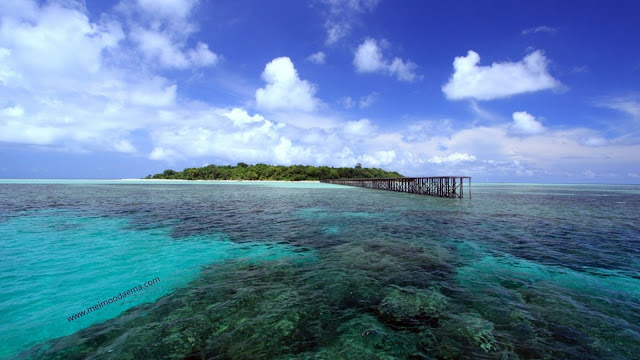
[[234, 181]]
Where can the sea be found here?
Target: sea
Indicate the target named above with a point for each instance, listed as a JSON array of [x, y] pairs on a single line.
[[97, 269]]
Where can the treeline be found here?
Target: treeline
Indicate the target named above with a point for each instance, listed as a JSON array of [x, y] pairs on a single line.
[[243, 171]]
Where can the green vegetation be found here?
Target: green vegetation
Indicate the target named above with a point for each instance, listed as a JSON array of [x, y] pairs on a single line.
[[243, 171]]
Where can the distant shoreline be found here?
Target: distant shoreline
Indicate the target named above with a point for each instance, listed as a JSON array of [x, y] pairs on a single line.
[[217, 180]]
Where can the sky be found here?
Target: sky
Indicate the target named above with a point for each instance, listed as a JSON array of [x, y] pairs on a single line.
[[513, 91]]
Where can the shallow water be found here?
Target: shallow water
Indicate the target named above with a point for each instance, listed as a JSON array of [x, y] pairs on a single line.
[[306, 270]]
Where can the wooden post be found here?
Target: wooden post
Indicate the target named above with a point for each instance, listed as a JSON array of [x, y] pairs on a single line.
[[442, 186]]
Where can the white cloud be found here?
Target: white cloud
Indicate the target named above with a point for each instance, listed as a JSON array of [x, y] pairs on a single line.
[[202, 56], [594, 141], [124, 146], [21, 132], [285, 90], [628, 104], [168, 8], [341, 14], [365, 101], [157, 97], [482, 113], [161, 30], [317, 58], [208, 132], [54, 40], [305, 120], [347, 102], [68, 83], [453, 158], [538, 29], [368, 100], [378, 158], [156, 45], [498, 80], [405, 71], [368, 58], [526, 124], [359, 128], [59, 66], [336, 31], [14, 111], [286, 153], [160, 153], [240, 117], [18, 9], [7, 74]]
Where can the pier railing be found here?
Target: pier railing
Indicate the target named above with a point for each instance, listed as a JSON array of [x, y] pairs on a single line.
[[440, 186]]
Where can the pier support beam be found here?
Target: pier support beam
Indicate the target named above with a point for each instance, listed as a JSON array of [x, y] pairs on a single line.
[[440, 186]]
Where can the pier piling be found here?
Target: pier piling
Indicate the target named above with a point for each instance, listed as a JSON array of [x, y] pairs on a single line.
[[440, 186]]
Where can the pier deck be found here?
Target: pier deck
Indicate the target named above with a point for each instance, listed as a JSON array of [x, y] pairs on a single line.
[[440, 186]]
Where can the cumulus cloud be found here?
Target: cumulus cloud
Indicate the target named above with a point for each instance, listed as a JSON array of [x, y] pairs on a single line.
[[161, 30], [378, 158], [65, 83], [37, 46], [202, 56], [221, 133], [368, 58], [160, 46], [240, 117], [317, 58], [359, 128], [285, 90], [526, 124], [286, 153], [499, 80], [59, 67]]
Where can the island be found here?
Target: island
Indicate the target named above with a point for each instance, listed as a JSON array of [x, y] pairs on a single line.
[[243, 171]]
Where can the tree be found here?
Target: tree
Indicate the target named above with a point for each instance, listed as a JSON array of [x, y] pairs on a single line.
[[274, 172]]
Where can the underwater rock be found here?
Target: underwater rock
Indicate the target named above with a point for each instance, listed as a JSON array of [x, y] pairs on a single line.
[[235, 310], [412, 307], [395, 262], [470, 331], [365, 338]]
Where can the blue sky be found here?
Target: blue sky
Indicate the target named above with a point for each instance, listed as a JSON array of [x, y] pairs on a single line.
[[542, 91]]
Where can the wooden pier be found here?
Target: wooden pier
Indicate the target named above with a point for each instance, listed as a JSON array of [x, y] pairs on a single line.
[[440, 186]]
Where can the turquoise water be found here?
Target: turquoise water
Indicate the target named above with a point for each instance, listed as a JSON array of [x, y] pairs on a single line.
[[308, 270]]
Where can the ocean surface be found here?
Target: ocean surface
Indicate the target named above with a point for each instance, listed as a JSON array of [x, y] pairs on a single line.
[[317, 271]]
